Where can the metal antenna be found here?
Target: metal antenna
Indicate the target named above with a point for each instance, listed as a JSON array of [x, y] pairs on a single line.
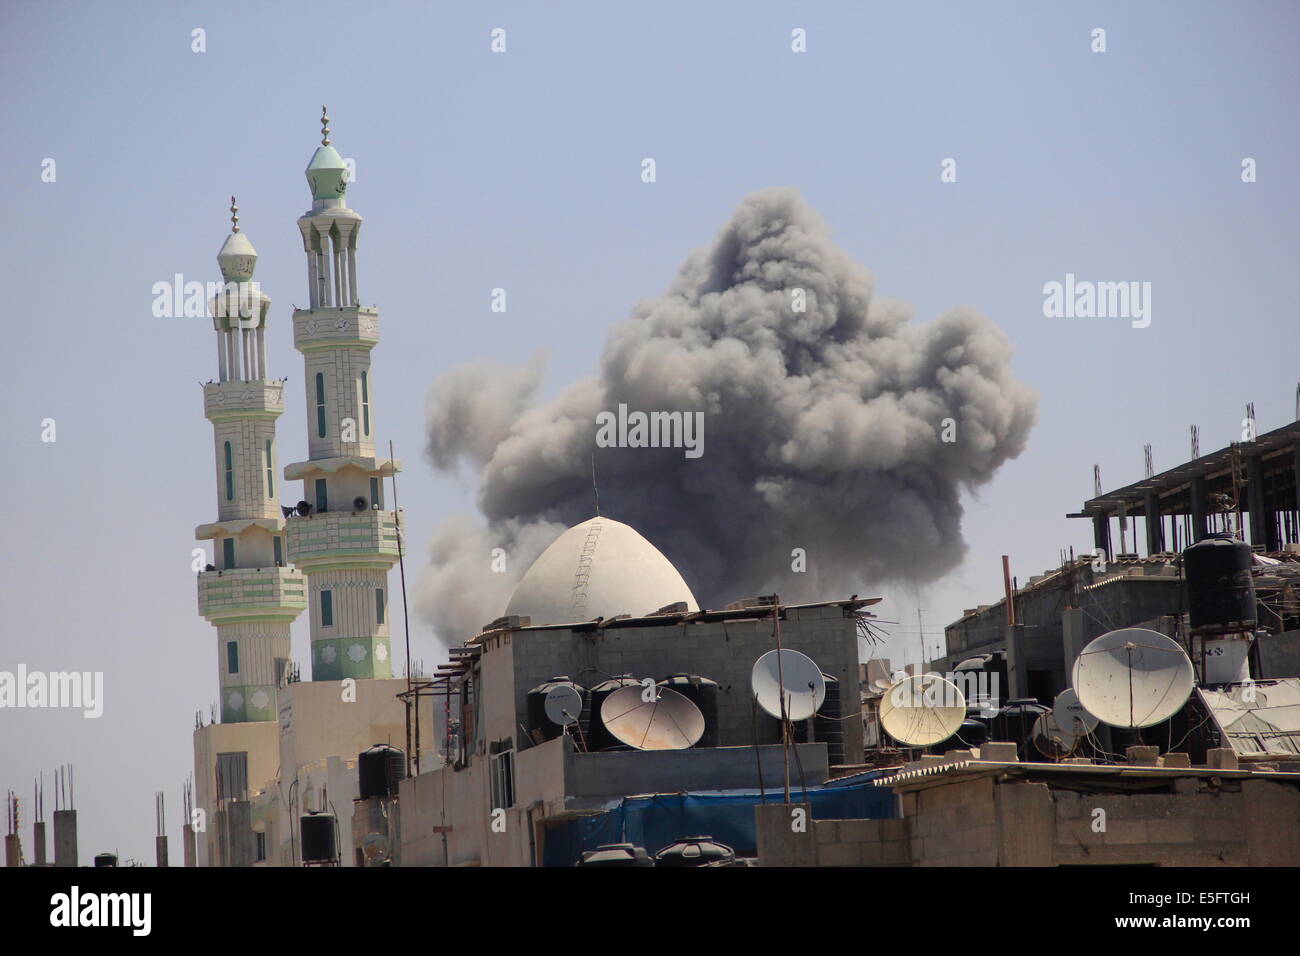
[[596, 491], [1096, 481], [1146, 450], [1196, 441]]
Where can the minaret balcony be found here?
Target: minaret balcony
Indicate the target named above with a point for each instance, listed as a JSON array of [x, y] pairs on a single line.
[[344, 539], [350, 327], [259, 399], [252, 594]]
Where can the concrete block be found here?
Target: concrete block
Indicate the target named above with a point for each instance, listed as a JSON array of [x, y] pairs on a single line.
[[896, 853], [871, 854], [1209, 830], [1186, 786], [1176, 760], [858, 831], [1221, 758], [1143, 755], [894, 829], [999, 751], [1177, 830], [839, 854], [1125, 831]]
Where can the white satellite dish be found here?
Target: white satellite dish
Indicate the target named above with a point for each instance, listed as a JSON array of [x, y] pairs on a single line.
[[563, 705], [1133, 678], [670, 721], [1050, 739], [922, 710], [1071, 716], [805, 687]]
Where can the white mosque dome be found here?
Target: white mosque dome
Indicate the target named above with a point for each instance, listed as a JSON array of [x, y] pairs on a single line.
[[600, 568]]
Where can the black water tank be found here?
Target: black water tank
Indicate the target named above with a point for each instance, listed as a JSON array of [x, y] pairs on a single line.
[[703, 693], [536, 708], [105, 859], [695, 851], [827, 727], [379, 769], [1220, 589], [617, 855], [317, 830], [598, 738]]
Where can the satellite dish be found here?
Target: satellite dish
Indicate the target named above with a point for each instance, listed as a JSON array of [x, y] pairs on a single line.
[[882, 684], [563, 705], [805, 687], [1133, 678], [1050, 739], [1071, 716], [922, 710], [669, 721]]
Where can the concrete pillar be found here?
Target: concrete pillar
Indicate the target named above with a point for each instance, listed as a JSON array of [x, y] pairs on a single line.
[[1101, 534], [38, 833], [239, 833], [785, 836], [1200, 523], [13, 850], [1262, 526], [1155, 533], [65, 838], [1073, 639], [160, 850], [187, 841], [1017, 663]]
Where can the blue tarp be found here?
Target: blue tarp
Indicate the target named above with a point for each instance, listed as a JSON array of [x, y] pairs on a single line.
[[659, 820]]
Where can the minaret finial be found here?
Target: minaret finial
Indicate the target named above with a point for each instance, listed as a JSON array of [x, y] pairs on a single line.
[[324, 127], [234, 215]]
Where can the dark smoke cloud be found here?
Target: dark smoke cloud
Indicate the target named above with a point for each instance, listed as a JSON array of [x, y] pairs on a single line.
[[822, 431]]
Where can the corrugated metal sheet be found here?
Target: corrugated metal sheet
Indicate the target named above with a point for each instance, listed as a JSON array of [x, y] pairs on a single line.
[[1260, 719]]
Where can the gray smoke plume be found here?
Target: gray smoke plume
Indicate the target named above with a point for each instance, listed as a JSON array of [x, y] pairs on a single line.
[[823, 431]]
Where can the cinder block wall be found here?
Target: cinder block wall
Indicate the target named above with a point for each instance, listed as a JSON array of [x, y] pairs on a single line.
[[1205, 822]]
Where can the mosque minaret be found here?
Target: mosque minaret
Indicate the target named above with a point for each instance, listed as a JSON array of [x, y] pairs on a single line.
[[251, 594], [344, 543]]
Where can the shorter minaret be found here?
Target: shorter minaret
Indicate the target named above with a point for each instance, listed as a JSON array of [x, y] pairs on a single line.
[[251, 595]]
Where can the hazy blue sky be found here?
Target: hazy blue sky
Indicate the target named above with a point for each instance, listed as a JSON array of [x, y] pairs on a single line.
[[522, 171]]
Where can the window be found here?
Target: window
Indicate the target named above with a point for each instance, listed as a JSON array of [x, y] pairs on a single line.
[[374, 492], [326, 608], [230, 474], [320, 404], [279, 551], [379, 605], [503, 775], [365, 402], [232, 776], [227, 553], [261, 847], [270, 481], [232, 657], [322, 499]]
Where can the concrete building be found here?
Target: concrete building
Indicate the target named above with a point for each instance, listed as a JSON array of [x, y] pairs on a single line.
[[285, 746], [988, 809], [492, 803]]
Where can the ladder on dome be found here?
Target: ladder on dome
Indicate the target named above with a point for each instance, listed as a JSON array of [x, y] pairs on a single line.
[[584, 567]]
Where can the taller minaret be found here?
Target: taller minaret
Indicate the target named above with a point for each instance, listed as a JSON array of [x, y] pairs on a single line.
[[345, 543], [252, 595]]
